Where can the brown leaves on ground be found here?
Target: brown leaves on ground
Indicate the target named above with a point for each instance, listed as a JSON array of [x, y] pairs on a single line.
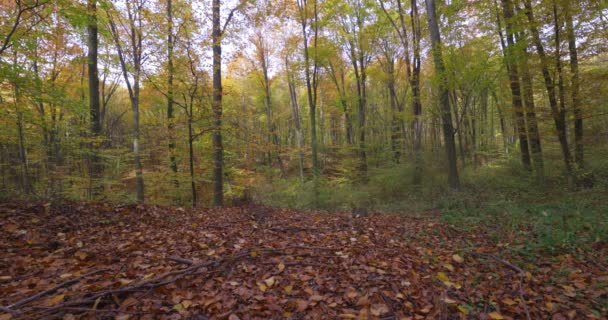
[[235, 263]]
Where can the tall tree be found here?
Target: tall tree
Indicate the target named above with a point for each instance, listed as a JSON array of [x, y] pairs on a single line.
[[310, 20], [94, 106], [558, 115], [444, 99], [575, 87], [132, 71], [511, 60], [530, 112], [170, 94], [217, 34], [412, 65]]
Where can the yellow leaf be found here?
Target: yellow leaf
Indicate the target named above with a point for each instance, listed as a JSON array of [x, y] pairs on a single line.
[[508, 301], [457, 258], [210, 253], [253, 254], [281, 267], [262, 287], [178, 307], [55, 300], [463, 310], [442, 277], [449, 267], [288, 289], [496, 316], [186, 303], [65, 275]]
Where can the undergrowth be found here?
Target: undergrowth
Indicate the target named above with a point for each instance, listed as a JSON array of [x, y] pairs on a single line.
[[502, 200]]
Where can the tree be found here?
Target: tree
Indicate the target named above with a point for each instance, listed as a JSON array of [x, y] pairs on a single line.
[[217, 34], [412, 71], [170, 96], [131, 57], [444, 100], [558, 114], [575, 87], [515, 85], [94, 105], [310, 20]]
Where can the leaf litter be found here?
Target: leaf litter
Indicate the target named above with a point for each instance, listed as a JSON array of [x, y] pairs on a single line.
[[98, 261]]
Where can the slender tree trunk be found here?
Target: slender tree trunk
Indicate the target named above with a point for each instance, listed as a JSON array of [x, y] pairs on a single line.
[[576, 109], [191, 159], [416, 104], [296, 119], [511, 60], [395, 130], [218, 149], [311, 86], [446, 114], [560, 122], [94, 106], [531, 122], [170, 96]]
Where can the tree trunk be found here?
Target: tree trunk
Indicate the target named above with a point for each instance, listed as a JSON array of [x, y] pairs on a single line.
[[296, 119], [560, 122], [416, 104], [446, 114], [514, 84], [531, 122], [311, 80], [576, 109], [94, 106], [218, 149], [191, 159], [170, 96]]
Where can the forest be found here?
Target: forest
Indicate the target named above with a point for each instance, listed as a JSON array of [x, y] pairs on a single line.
[[305, 159]]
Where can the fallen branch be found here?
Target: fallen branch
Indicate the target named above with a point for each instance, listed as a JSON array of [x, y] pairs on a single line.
[[160, 280], [181, 260], [522, 275], [51, 290]]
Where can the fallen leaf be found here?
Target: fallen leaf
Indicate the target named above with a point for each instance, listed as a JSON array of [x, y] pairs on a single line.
[[495, 316], [442, 277], [269, 282], [457, 258], [378, 309], [55, 300]]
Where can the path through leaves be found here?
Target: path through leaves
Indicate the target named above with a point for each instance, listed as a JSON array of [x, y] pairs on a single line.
[[143, 262]]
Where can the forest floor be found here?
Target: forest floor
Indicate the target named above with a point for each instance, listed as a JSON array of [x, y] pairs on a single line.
[[144, 262]]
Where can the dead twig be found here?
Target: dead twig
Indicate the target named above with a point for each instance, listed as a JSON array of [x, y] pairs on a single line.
[[181, 260], [51, 290], [522, 276]]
